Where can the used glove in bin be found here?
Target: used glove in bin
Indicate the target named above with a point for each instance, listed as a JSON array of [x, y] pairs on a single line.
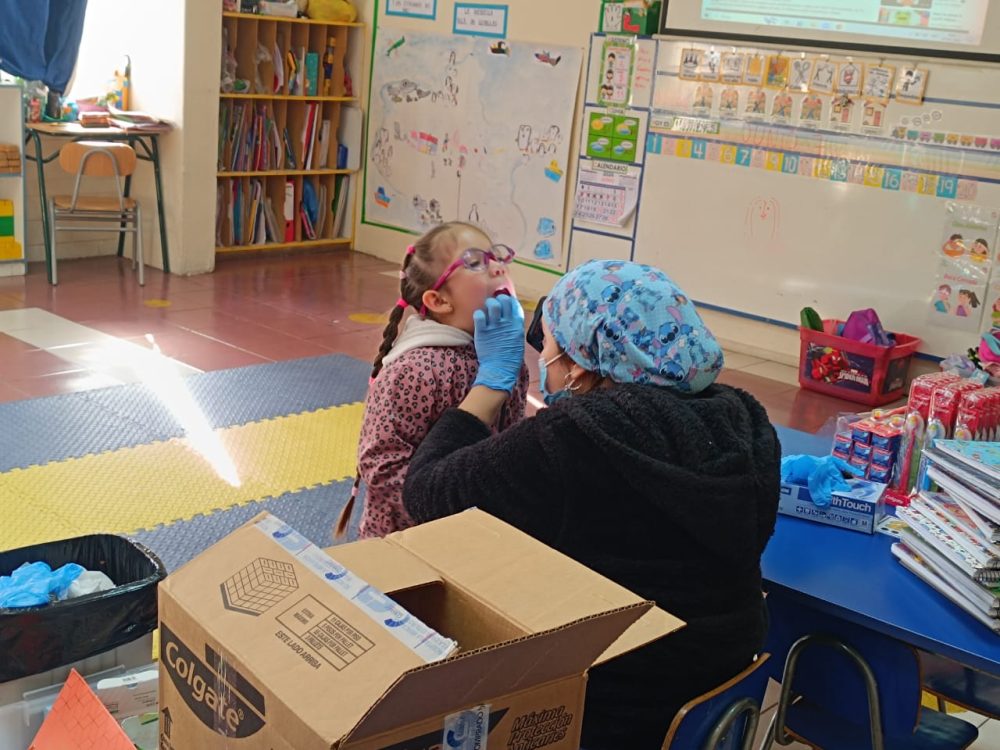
[[35, 584], [37, 639]]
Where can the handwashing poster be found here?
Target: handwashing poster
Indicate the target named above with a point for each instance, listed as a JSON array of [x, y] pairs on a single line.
[[963, 289]]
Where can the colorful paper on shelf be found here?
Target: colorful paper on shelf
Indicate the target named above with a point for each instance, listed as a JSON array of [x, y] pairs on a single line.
[[312, 73], [10, 249]]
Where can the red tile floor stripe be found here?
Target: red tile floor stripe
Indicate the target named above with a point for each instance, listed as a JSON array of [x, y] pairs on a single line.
[[254, 310]]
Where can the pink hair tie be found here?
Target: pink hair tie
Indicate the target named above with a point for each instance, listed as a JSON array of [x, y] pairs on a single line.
[[411, 249], [402, 303]]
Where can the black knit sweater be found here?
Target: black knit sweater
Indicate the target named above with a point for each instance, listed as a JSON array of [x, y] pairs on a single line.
[[670, 495]]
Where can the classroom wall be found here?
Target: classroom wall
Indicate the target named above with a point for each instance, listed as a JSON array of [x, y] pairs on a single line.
[[175, 49], [566, 22]]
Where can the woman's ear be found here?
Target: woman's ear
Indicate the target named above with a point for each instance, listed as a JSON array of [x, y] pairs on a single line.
[[437, 303], [581, 380]]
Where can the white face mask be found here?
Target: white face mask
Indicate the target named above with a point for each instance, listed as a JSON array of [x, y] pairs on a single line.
[[543, 375]]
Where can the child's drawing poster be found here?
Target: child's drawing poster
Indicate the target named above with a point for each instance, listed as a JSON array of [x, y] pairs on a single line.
[[474, 129]]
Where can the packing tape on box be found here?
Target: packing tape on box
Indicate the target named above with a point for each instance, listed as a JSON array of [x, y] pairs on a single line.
[[408, 630]]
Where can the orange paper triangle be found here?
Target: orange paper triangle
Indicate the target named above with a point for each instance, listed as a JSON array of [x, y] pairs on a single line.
[[80, 721]]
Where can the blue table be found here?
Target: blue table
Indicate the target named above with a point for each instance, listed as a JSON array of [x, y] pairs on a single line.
[[855, 577]]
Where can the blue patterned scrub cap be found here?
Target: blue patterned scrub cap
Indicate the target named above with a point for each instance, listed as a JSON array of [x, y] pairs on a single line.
[[629, 322]]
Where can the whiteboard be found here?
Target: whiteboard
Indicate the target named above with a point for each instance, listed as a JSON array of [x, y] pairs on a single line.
[[954, 27], [473, 129], [834, 220]]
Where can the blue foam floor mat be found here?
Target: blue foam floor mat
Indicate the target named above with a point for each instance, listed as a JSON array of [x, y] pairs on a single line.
[[311, 512], [39, 431]]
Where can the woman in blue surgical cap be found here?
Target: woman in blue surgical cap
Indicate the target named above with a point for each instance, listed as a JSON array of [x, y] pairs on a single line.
[[643, 468]]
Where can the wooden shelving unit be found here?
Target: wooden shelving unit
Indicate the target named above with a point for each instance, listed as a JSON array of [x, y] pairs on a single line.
[[265, 136], [12, 184]]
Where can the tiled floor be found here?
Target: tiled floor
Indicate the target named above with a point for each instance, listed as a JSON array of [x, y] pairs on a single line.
[[249, 311]]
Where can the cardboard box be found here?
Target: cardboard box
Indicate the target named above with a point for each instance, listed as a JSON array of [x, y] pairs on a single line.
[[131, 694], [260, 650], [860, 509]]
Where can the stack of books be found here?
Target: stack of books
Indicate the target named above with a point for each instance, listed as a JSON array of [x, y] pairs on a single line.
[[245, 214], [135, 120], [952, 536], [249, 139]]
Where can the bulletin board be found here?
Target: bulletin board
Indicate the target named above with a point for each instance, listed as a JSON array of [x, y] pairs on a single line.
[[765, 194]]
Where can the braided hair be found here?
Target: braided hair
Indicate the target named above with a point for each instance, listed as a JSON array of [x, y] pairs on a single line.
[[421, 268]]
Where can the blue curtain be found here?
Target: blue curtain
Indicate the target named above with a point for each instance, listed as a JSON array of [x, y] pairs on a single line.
[[40, 39]]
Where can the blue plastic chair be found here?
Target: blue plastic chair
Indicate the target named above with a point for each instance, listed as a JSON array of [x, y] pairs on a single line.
[[846, 687], [966, 687], [725, 718]]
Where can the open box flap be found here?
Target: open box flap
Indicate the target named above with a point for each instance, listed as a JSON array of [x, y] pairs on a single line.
[[532, 584], [477, 677], [387, 567], [652, 626]]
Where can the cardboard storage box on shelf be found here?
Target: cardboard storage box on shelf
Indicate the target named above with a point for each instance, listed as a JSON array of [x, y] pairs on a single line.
[[268, 643], [859, 509]]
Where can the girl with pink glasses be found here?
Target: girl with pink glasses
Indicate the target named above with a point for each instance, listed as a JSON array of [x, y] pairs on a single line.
[[428, 364]]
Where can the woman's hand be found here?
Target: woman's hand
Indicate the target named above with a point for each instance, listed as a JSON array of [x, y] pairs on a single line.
[[499, 339]]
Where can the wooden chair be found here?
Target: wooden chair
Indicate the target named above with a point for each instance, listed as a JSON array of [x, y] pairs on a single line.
[[97, 159], [725, 718]]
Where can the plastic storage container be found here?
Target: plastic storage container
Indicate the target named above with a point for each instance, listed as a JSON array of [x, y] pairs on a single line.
[[848, 369], [37, 639]]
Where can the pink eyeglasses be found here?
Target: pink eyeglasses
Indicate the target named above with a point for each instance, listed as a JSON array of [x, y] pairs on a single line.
[[474, 260]]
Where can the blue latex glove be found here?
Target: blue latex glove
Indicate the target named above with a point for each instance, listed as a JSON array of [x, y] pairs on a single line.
[[821, 474], [499, 343], [33, 584]]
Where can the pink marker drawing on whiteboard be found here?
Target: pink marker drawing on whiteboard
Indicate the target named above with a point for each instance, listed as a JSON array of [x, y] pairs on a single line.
[[763, 218]]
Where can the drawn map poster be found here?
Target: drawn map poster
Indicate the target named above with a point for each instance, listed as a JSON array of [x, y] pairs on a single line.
[[474, 129]]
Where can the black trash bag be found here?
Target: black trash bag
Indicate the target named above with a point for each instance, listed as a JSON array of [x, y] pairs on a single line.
[[37, 639]]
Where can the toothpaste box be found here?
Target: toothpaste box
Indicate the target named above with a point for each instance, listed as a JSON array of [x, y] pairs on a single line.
[[859, 509], [269, 643]]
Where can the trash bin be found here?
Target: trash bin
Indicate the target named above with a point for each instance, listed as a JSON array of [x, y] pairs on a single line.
[[37, 639]]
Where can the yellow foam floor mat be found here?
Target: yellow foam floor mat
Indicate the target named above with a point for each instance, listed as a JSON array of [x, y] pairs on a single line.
[[146, 486]]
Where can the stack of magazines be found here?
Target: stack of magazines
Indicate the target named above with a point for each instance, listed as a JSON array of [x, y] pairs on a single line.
[[952, 536]]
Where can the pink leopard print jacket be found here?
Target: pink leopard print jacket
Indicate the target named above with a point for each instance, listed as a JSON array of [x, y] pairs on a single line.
[[404, 401]]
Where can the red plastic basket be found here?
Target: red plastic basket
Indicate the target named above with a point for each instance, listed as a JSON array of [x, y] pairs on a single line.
[[865, 373]]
